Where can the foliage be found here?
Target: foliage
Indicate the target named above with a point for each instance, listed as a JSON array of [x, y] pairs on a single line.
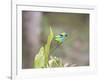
[[55, 62], [41, 59]]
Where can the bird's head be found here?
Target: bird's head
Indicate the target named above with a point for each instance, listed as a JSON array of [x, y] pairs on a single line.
[[61, 37]]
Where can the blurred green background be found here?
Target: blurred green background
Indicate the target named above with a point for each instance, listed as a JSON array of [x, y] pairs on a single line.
[[35, 29]]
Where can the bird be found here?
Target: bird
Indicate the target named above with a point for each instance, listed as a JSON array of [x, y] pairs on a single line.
[[59, 39]]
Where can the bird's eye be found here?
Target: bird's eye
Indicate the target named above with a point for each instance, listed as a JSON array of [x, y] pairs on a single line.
[[60, 34]]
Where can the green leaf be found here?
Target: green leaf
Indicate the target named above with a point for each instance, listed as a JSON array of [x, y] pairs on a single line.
[[47, 46], [39, 61]]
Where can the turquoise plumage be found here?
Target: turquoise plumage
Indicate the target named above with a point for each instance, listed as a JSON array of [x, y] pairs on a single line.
[[60, 37]]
